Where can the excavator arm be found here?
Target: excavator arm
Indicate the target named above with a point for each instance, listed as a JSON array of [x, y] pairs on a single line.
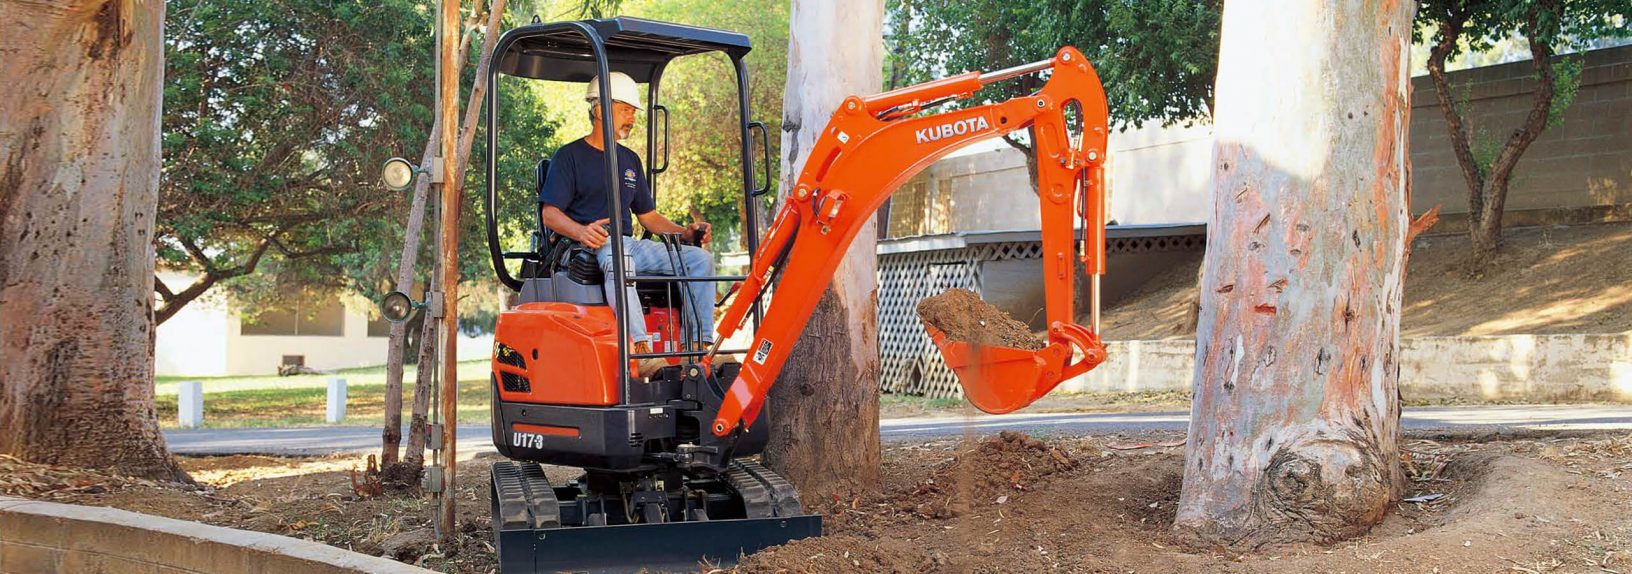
[[874, 144]]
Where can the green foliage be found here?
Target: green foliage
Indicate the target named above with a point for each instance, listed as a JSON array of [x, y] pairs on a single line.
[[277, 118], [1557, 25], [1156, 58], [1562, 24], [705, 175], [1566, 83]]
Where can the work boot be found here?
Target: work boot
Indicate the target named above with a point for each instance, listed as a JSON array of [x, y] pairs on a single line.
[[648, 366]]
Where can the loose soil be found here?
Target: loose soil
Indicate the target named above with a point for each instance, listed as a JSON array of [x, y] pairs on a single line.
[[963, 316], [1557, 279], [1003, 503]]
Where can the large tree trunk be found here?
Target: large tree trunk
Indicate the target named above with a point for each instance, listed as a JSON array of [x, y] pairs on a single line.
[[1295, 419], [79, 142], [824, 408]]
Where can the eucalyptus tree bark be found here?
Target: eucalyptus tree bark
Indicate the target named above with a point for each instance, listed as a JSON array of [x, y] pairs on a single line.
[[824, 407], [79, 180], [392, 435], [1295, 421]]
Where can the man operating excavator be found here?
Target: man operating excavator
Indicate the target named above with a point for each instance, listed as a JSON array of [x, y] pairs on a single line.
[[574, 203]]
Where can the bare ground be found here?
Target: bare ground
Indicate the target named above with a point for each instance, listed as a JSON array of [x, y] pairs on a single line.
[[991, 504], [1558, 279]]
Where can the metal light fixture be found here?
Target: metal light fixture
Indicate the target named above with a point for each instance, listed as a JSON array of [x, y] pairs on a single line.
[[398, 174], [398, 307]]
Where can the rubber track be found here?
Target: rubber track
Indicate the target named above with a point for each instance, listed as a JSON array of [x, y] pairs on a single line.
[[525, 498], [756, 496], [783, 498]]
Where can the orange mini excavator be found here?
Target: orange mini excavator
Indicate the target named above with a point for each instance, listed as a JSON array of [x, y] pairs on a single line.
[[667, 479]]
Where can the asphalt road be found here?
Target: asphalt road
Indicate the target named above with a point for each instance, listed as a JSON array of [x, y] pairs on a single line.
[[476, 438]]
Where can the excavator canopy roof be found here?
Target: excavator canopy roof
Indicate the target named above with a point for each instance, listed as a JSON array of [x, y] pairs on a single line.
[[559, 51]]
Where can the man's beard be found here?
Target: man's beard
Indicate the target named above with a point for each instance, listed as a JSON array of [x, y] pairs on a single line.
[[624, 131]]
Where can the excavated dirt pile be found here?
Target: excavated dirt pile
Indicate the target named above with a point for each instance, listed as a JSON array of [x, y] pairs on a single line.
[[963, 316], [995, 469]]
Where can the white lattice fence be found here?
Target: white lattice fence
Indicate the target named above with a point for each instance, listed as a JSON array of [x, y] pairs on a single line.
[[908, 361]]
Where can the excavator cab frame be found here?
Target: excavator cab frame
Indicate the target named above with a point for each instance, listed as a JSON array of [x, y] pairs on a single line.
[[658, 490]]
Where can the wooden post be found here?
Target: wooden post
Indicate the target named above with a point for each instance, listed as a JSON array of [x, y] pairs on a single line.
[[449, 259]]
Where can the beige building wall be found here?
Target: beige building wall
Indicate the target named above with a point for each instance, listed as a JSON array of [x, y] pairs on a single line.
[[194, 341], [1158, 176], [206, 339], [261, 354]]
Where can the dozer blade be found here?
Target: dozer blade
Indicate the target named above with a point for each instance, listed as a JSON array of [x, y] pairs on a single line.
[[998, 380], [531, 535]]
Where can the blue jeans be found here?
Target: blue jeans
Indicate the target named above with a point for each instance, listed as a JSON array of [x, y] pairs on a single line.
[[645, 257]]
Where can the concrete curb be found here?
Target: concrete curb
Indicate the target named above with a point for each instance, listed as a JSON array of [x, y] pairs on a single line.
[[1526, 368], [38, 536]]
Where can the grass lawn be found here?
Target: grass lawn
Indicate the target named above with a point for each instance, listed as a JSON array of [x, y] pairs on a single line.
[[271, 401], [305, 405], [301, 400], [364, 376]]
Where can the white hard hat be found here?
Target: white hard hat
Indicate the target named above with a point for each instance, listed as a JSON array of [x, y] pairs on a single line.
[[623, 90]]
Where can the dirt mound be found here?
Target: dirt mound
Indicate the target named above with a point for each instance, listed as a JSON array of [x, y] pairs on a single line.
[[990, 473], [963, 316], [1553, 505]]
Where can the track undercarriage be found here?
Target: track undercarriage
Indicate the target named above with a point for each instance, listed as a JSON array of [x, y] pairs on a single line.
[[618, 522]]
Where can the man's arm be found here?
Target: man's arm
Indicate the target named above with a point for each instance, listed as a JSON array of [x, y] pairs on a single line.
[[592, 235], [658, 223]]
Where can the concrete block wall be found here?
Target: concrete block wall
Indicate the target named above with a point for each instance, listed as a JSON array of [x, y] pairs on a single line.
[[38, 537], [1535, 368], [1577, 172], [1583, 165]]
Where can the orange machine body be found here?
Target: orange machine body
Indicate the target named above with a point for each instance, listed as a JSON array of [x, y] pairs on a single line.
[[568, 355]]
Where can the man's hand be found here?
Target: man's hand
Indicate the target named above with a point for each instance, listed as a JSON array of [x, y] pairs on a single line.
[[593, 235], [701, 232]]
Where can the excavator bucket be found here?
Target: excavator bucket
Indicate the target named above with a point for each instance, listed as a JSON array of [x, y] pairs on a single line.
[[998, 380]]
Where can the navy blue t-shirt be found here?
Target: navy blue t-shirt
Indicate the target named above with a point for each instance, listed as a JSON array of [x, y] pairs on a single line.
[[576, 184]]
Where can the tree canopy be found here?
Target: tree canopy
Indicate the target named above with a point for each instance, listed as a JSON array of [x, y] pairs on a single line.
[[277, 118], [1156, 58]]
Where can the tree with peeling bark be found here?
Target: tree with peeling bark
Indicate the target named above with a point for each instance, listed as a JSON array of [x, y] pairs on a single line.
[[1452, 27], [824, 407], [1295, 421], [79, 180]]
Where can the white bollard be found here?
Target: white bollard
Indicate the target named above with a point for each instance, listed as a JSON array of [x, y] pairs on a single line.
[[337, 400], [190, 405]]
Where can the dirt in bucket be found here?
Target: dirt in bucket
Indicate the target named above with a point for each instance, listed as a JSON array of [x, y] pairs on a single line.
[[963, 316]]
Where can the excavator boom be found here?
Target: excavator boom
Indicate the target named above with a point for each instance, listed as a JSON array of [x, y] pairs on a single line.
[[868, 149]]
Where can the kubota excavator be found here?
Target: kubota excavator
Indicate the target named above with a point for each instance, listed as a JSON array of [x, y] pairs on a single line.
[[667, 479]]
